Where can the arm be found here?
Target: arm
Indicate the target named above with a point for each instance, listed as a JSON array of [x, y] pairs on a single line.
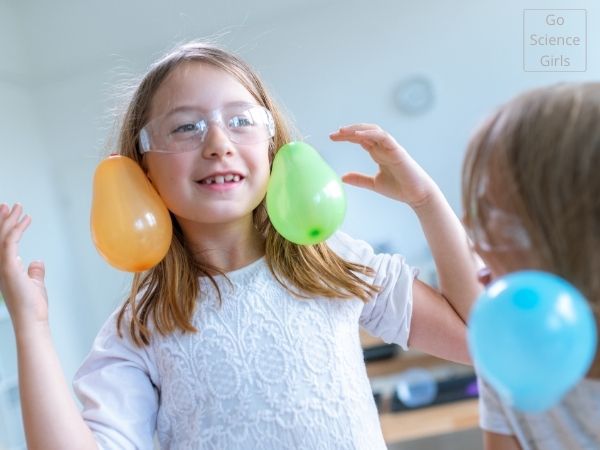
[[443, 334], [435, 328], [51, 418], [455, 263], [401, 178]]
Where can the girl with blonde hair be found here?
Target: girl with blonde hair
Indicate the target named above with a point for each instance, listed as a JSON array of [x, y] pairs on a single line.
[[238, 339]]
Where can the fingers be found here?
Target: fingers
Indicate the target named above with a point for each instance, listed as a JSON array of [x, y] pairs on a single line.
[[352, 133], [37, 271], [381, 146], [367, 135], [379, 138], [358, 127], [12, 227], [5, 212], [355, 135], [359, 180], [9, 218], [14, 234]]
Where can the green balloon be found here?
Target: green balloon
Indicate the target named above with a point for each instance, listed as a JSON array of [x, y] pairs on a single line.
[[305, 197]]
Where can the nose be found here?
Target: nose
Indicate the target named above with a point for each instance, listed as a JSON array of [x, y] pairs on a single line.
[[216, 142]]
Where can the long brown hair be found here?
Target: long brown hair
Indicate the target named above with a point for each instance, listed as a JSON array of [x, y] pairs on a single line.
[[167, 293], [537, 158]]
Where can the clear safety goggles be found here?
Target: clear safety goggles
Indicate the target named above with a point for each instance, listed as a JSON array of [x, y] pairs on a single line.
[[503, 232], [492, 229], [185, 129]]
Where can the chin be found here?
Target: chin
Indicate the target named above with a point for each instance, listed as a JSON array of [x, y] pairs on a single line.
[[225, 217]]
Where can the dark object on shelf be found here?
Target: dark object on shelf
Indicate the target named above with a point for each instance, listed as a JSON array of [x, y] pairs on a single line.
[[450, 390], [378, 400], [379, 352]]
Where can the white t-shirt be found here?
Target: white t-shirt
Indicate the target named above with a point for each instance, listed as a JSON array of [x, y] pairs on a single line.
[[573, 424], [265, 371]]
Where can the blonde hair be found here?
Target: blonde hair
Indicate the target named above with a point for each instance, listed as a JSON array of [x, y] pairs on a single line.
[[167, 293], [537, 158]]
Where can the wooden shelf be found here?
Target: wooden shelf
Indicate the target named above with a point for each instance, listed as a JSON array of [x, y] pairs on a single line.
[[431, 421], [425, 422], [402, 362]]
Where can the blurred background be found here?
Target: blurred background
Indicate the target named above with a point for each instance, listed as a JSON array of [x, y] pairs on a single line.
[[428, 72]]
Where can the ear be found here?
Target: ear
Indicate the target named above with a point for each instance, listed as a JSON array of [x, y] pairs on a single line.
[[144, 165]]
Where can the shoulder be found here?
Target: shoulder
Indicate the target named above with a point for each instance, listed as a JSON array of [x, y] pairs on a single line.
[[348, 248], [115, 332], [114, 347], [361, 252]]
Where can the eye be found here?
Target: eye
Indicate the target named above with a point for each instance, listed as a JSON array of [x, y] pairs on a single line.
[[186, 128], [240, 121]]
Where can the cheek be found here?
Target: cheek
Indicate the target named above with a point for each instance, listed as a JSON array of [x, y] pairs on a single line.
[[164, 166], [165, 173], [261, 167], [496, 266], [262, 183], [503, 262]]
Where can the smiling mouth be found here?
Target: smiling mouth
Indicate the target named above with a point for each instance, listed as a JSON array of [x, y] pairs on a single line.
[[222, 179]]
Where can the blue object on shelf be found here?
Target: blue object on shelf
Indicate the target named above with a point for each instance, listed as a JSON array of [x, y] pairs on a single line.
[[449, 390]]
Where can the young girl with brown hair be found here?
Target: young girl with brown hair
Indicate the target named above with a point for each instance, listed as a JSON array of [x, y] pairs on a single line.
[[238, 338]]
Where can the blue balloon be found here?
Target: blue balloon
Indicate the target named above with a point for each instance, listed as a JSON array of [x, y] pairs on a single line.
[[532, 336]]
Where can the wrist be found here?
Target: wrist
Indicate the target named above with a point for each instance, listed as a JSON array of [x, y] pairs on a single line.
[[26, 331], [430, 201]]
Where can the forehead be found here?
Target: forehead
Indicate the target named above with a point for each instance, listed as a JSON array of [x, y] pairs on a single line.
[[198, 85]]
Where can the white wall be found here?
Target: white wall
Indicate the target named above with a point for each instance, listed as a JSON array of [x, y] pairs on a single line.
[[345, 67], [329, 65], [27, 177]]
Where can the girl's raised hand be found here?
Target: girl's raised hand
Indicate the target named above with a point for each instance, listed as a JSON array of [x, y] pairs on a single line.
[[24, 291], [399, 176]]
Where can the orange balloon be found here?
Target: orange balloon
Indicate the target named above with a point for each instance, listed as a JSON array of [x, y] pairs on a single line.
[[131, 226]]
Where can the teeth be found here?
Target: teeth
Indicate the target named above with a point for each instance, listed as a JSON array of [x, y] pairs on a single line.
[[220, 179]]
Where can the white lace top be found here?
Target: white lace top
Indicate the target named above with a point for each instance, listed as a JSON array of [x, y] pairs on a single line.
[[265, 371]]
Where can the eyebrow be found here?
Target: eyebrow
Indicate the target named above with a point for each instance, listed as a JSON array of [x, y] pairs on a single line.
[[188, 108]]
